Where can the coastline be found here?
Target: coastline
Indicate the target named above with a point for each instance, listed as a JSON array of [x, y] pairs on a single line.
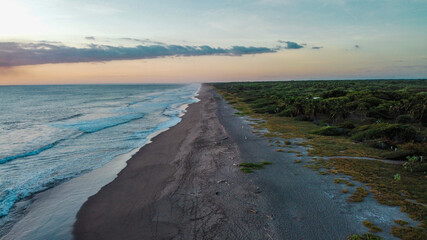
[[186, 185], [182, 186], [50, 214]]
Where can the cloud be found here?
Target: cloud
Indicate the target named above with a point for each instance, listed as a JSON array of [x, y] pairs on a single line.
[[90, 38], [317, 47], [291, 45], [17, 54], [144, 41]]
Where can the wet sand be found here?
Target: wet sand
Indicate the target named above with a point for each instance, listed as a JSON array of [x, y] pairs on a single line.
[[186, 185]]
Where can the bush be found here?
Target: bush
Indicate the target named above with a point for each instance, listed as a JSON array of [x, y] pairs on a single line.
[[302, 118], [288, 112], [348, 125], [419, 149], [385, 145], [330, 131], [389, 131], [404, 119], [334, 93], [271, 109]]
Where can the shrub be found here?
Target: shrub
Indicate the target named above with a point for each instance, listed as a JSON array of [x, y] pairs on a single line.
[[303, 118], [348, 125], [416, 148], [385, 130], [271, 109], [330, 131], [404, 118], [288, 112], [334, 93]]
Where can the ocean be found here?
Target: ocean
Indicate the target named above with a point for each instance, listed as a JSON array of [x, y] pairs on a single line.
[[52, 134]]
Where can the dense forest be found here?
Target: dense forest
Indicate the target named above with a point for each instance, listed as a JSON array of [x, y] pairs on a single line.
[[384, 114]]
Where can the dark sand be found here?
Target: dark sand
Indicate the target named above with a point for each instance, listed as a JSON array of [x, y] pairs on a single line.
[[181, 186], [185, 185]]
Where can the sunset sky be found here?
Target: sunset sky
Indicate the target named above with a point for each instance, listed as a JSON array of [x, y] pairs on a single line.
[[137, 41]]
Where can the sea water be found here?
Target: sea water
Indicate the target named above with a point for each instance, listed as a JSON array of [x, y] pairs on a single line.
[[52, 134]]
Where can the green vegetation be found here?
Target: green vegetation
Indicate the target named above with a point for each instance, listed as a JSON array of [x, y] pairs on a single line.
[[387, 117], [248, 167], [380, 177], [377, 119], [330, 131], [366, 236]]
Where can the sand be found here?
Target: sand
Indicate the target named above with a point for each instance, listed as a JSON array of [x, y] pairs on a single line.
[[182, 186]]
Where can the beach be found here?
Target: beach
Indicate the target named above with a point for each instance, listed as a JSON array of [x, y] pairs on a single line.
[[186, 185], [183, 185]]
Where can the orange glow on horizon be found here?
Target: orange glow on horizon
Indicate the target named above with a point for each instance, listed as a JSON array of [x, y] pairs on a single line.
[[285, 65]]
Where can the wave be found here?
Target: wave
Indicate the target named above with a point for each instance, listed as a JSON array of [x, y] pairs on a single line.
[[95, 125], [30, 153], [72, 162], [90, 126], [67, 118]]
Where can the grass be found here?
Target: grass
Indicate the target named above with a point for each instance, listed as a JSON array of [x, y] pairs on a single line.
[[401, 222], [358, 195], [343, 181], [246, 170], [366, 236], [379, 177], [409, 233], [248, 167], [371, 226]]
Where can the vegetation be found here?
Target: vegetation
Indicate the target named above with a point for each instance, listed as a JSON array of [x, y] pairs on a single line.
[[378, 119], [248, 167], [358, 195], [371, 226], [389, 115], [366, 236], [343, 181]]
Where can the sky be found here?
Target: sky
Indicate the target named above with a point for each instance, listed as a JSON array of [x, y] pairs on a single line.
[[165, 41]]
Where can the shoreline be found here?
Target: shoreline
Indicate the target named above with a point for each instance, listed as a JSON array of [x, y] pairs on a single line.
[[39, 213], [182, 186], [186, 185]]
